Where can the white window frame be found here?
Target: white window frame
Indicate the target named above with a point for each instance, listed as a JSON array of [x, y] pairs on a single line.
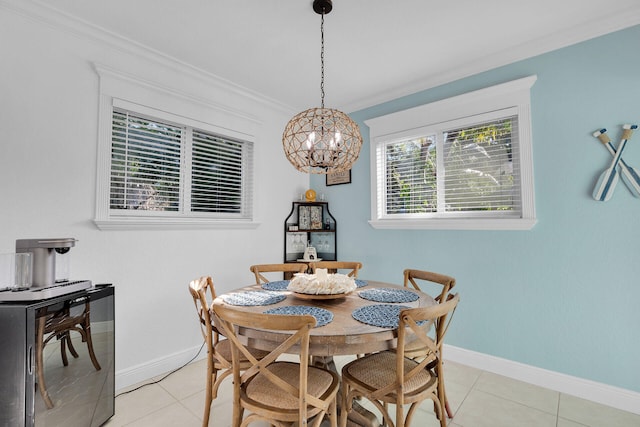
[[130, 93], [512, 98]]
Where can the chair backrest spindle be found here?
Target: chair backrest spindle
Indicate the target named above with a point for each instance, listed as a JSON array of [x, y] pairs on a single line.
[[411, 277], [287, 268], [336, 266]]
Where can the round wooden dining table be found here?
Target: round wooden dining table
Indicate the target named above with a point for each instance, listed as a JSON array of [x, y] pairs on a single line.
[[342, 335]]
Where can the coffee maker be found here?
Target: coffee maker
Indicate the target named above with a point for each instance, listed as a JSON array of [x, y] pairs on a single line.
[[46, 253], [50, 271]]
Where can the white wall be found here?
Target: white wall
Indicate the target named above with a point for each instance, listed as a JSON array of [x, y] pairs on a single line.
[[48, 136]]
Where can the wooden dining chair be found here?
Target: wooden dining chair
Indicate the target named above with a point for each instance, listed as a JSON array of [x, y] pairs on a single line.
[[219, 364], [420, 278], [58, 322], [282, 393], [389, 377], [289, 269], [442, 285], [337, 266]]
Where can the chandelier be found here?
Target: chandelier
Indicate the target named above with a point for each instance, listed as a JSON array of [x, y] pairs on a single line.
[[322, 140]]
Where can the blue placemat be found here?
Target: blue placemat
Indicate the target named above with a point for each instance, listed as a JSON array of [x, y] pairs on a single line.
[[382, 315], [389, 295], [278, 285], [361, 283], [322, 316], [253, 298]]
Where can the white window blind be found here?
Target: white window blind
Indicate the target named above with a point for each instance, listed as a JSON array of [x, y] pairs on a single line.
[[163, 168], [216, 174], [145, 164], [411, 176]]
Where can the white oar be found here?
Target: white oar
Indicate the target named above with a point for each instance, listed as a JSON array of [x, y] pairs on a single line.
[[609, 178], [629, 175]]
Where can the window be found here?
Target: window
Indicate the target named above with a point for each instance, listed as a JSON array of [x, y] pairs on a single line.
[[168, 160], [162, 172], [147, 174], [461, 163]]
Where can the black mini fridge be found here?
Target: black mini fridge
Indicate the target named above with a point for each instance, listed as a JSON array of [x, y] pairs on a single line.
[[80, 393]]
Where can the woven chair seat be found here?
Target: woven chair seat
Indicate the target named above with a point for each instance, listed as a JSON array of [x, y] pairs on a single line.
[[260, 390], [417, 350], [395, 377], [223, 348], [379, 369]]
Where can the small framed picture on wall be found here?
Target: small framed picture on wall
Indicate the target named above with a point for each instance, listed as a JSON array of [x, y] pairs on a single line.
[[339, 178]]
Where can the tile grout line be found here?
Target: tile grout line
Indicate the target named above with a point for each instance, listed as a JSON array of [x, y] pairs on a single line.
[[556, 414], [466, 395]]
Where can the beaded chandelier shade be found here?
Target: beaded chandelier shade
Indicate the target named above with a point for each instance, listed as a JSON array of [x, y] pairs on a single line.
[[322, 140]]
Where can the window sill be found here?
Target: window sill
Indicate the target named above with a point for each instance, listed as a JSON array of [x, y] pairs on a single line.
[[454, 224], [172, 224]]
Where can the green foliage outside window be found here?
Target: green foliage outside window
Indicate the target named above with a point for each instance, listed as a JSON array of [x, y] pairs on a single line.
[[477, 172], [147, 173]]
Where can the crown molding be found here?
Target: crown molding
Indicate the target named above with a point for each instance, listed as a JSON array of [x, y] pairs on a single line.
[[558, 40], [104, 71], [43, 13]]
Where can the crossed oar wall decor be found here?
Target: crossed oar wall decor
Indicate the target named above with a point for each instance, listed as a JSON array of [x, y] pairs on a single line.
[[609, 177]]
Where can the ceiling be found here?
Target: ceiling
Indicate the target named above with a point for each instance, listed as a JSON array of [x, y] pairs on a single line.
[[374, 50]]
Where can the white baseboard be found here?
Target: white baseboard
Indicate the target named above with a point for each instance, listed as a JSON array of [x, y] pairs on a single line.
[[146, 371], [615, 397]]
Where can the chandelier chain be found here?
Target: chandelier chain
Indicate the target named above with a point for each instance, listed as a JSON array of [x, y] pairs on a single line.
[[322, 140], [322, 60]]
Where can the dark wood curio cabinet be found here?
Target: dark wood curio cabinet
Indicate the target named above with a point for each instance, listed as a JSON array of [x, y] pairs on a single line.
[[310, 223]]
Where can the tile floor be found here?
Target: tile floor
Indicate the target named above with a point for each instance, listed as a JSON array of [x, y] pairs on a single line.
[[478, 399]]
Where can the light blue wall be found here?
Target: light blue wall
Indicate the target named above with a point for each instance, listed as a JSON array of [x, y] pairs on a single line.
[[564, 296]]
